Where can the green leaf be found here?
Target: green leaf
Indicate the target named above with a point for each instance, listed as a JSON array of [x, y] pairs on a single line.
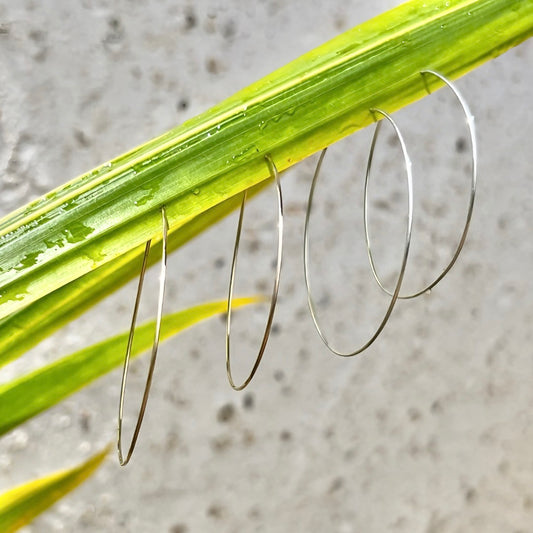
[[19, 506], [33, 393], [54, 310], [308, 104]]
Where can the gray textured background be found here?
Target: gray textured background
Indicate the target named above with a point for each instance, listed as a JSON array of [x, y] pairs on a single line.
[[431, 431]]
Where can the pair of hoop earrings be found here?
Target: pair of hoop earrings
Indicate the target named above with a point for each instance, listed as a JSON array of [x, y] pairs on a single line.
[[394, 294], [125, 458]]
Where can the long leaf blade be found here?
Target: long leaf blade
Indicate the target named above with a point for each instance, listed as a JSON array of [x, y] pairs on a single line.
[[33, 393], [312, 102], [49, 313], [19, 506]]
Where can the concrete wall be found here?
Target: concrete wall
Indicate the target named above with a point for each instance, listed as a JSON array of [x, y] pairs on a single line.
[[430, 431]]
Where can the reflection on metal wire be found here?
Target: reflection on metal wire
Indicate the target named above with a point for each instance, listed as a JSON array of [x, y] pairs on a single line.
[[472, 132], [399, 279], [162, 279], [274, 298]]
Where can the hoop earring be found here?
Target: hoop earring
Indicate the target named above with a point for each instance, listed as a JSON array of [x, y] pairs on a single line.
[[472, 132], [162, 279], [274, 298], [394, 295]]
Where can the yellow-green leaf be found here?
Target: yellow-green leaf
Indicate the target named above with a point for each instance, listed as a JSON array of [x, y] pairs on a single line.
[[33, 393], [321, 97], [19, 506], [24, 329]]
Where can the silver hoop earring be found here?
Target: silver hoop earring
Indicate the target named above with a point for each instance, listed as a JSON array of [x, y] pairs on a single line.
[[274, 298], [162, 279], [472, 132], [394, 295]]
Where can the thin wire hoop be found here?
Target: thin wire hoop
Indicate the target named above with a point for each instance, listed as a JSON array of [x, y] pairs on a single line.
[[274, 173], [162, 279], [394, 295], [473, 143]]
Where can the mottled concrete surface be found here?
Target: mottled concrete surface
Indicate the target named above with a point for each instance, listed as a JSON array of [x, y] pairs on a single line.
[[431, 431]]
